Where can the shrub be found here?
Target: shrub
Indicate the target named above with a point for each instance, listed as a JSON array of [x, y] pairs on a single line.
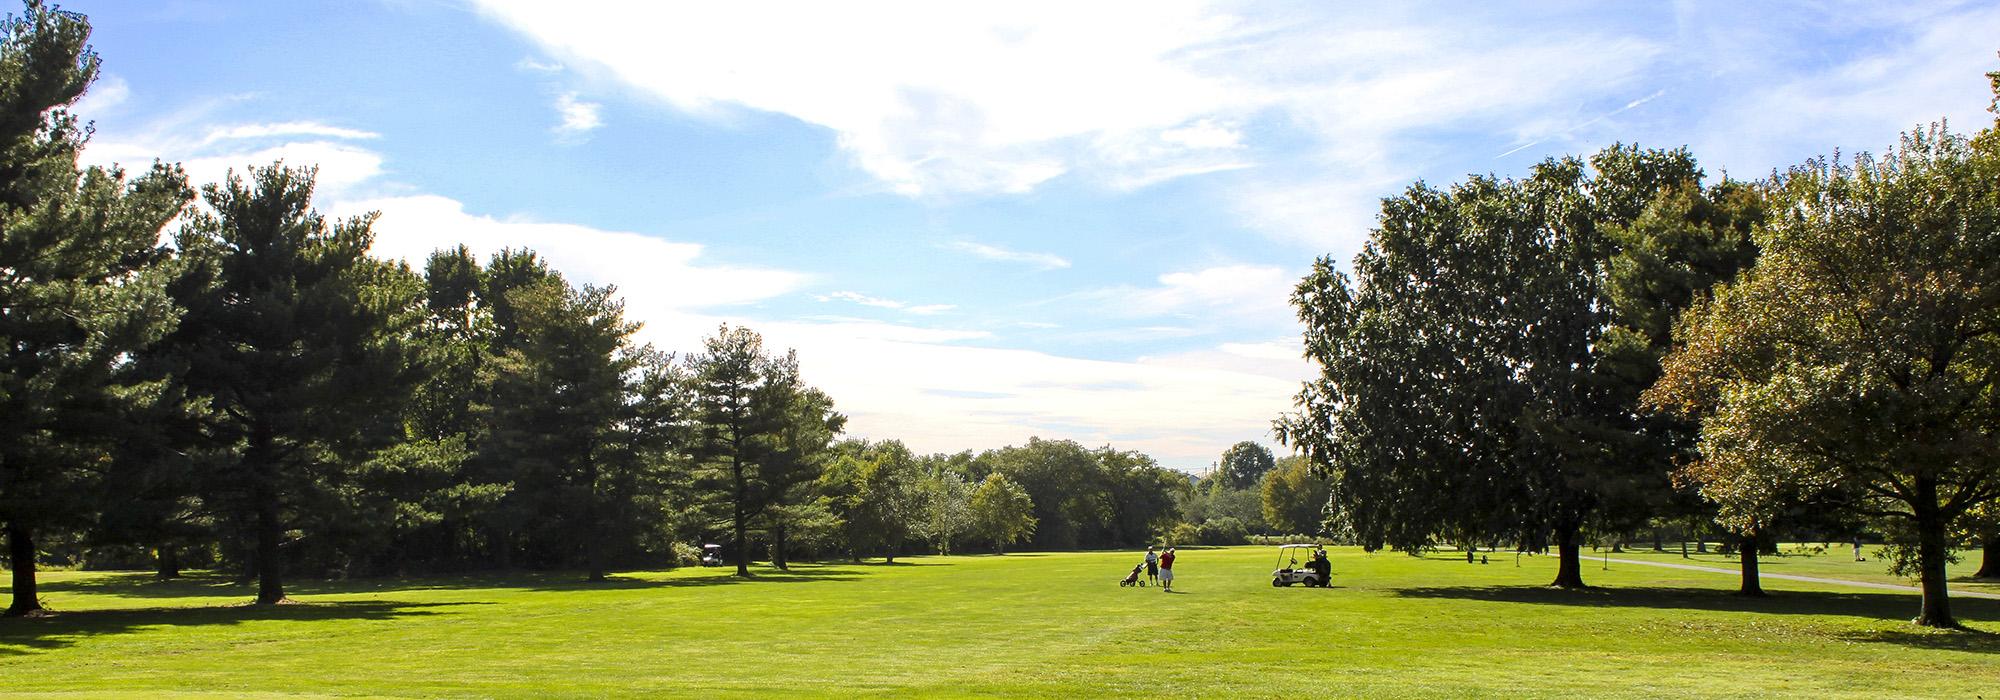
[[1223, 531]]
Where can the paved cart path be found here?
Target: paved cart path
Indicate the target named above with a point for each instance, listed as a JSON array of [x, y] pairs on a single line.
[[1809, 579]]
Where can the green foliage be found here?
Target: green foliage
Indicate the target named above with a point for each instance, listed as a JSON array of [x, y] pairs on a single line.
[[82, 281], [761, 435], [944, 509], [1294, 498], [874, 490], [1465, 392], [1085, 498], [1860, 352], [1243, 465], [1221, 532], [1002, 513], [298, 341]]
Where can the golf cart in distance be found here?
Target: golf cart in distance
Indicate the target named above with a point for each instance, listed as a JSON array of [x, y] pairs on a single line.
[[711, 555], [1313, 572]]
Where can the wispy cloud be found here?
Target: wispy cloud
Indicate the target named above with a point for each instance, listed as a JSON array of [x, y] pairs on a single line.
[[284, 129], [533, 65], [1571, 129], [578, 117], [861, 299], [1046, 261], [880, 303]]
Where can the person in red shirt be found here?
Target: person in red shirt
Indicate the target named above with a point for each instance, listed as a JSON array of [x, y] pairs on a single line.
[[1167, 570]]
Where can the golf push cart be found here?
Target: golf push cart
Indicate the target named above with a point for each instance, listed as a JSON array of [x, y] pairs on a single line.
[[1314, 572]]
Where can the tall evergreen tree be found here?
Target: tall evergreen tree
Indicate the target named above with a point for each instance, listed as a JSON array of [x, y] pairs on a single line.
[[81, 276], [734, 417], [795, 454], [297, 339], [564, 405]]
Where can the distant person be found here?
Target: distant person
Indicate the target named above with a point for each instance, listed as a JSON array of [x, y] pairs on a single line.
[[1167, 570], [1857, 548], [1152, 566]]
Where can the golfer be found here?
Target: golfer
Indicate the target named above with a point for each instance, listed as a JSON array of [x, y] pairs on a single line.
[[1152, 566], [1167, 570]]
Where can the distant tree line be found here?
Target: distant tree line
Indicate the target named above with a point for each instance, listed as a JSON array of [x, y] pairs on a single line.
[[261, 396], [1581, 352]]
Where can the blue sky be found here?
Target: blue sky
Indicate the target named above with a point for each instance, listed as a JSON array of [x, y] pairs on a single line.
[[979, 223]]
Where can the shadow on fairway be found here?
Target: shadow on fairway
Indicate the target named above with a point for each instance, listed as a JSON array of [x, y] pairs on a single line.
[[1878, 606], [140, 585], [65, 629]]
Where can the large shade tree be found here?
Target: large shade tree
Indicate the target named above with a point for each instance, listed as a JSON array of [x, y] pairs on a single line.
[[1464, 393], [1863, 348]]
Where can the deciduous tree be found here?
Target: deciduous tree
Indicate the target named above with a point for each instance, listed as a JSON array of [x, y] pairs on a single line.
[[1863, 347]]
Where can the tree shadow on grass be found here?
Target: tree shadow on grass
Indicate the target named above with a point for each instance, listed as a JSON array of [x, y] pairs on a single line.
[[1877, 606], [141, 585], [65, 629]]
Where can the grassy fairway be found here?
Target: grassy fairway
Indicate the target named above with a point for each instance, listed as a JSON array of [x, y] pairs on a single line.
[[1024, 624]]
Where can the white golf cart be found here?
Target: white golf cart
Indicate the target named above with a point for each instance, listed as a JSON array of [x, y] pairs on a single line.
[[711, 555], [1313, 572]]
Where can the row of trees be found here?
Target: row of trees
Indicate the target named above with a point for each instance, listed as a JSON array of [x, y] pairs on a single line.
[[1527, 359], [1251, 492]]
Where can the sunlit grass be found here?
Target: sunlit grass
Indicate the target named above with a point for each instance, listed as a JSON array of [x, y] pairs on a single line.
[[1023, 624]]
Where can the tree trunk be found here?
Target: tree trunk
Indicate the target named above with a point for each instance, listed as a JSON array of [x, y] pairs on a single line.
[[1569, 567], [1659, 545], [778, 548], [21, 556], [1684, 549], [169, 561], [1931, 553], [593, 546], [270, 528], [1752, 584], [270, 585], [1989, 558], [741, 527]]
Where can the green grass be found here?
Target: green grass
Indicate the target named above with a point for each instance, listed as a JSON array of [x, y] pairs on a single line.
[[1023, 624], [1815, 559]]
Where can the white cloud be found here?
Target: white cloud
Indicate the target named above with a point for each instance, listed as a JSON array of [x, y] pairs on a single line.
[[878, 302], [1278, 359], [956, 98], [1932, 67], [106, 94], [665, 283], [533, 65], [861, 299], [578, 117], [1232, 292], [946, 398], [927, 97], [1046, 261], [300, 128]]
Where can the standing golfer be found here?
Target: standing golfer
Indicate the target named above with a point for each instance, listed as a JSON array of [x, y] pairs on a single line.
[[1167, 570], [1152, 566]]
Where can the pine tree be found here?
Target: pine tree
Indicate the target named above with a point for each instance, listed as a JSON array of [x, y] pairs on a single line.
[[80, 288], [299, 341]]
